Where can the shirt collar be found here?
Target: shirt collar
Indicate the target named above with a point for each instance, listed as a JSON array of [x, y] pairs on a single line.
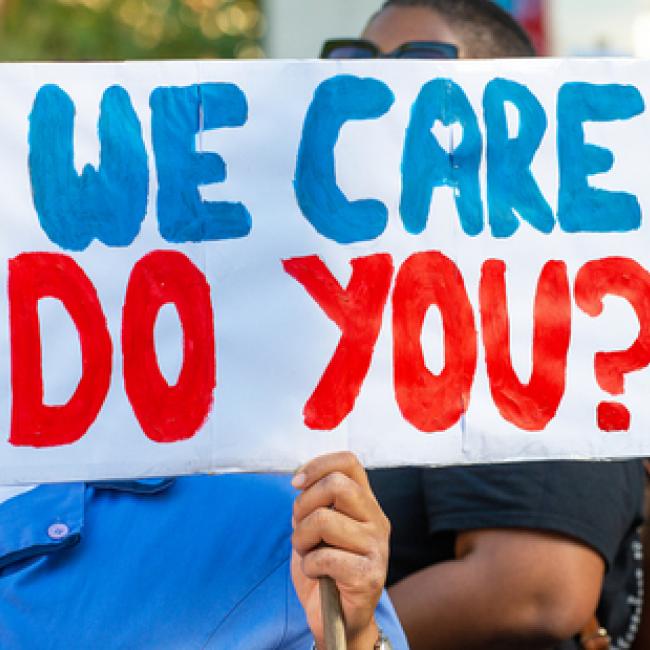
[[41, 521], [141, 486], [51, 517]]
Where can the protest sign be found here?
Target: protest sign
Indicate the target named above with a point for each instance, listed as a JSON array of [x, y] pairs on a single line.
[[216, 266]]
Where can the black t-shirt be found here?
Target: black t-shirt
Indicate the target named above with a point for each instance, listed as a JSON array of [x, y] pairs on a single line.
[[599, 504]]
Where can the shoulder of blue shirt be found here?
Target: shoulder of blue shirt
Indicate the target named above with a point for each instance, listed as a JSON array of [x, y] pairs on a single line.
[[212, 555]]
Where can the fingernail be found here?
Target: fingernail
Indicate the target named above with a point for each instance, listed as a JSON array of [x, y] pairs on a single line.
[[293, 522], [299, 480]]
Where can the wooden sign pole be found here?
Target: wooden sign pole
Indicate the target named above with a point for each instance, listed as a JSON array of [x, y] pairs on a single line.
[[332, 614]]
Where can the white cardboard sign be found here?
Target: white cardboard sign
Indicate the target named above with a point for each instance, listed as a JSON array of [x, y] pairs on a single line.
[[218, 266]]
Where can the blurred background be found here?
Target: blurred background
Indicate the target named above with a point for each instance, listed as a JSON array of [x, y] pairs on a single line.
[[137, 29]]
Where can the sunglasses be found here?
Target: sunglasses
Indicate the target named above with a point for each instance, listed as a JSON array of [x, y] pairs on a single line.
[[358, 48]]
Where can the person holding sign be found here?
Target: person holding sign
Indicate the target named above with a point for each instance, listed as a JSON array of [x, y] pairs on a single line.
[[196, 562], [517, 556]]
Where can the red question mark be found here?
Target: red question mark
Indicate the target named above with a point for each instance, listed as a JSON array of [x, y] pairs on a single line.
[[616, 276]]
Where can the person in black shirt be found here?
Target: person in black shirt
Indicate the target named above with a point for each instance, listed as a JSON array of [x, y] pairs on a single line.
[[522, 556], [512, 532]]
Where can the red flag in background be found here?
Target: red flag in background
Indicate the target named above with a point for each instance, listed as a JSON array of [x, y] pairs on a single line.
[[530, 13]]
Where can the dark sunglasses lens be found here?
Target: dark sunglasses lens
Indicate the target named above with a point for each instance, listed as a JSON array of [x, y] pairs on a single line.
[[350, 52], [426, 52]]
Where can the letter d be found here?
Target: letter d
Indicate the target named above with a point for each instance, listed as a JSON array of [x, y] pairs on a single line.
[[33, 276]]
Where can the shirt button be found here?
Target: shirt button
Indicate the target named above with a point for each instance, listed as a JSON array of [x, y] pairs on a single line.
[[58, 531]]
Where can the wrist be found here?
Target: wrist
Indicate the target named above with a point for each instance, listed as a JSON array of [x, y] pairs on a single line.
[[365, 639]]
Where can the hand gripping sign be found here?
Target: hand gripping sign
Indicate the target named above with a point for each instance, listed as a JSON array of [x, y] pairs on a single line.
[[236, 266]]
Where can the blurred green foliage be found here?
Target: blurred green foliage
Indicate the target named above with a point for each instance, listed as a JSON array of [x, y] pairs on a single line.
[[64, 30]]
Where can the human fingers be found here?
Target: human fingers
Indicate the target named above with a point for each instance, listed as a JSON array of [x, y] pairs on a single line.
[[327, 526], [353, 573], [344, 462], [340, 492]]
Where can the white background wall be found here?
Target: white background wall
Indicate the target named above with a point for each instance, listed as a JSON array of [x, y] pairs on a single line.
[[600, 26], [296, 28]]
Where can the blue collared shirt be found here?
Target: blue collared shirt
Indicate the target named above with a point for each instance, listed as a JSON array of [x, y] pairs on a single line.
[[198, 562]]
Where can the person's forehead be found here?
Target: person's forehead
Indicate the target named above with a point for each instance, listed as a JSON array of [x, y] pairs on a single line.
[[397, 25]]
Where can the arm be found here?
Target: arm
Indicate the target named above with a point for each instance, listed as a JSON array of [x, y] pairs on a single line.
[[505, 589], [341, 532]]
